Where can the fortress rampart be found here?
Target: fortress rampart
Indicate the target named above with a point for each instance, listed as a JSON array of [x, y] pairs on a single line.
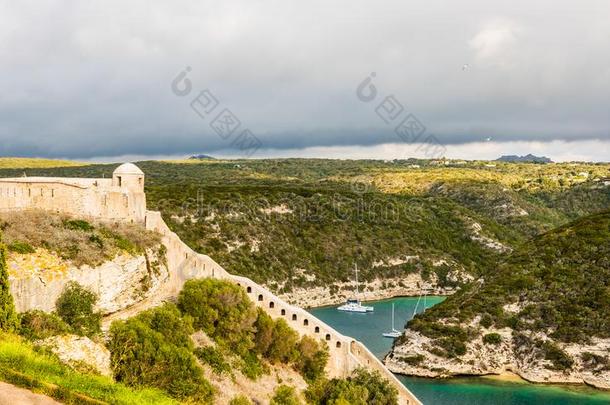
[[90, 197], [119, 198]]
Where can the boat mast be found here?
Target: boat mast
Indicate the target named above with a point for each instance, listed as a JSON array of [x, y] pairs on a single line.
[[356, 268]]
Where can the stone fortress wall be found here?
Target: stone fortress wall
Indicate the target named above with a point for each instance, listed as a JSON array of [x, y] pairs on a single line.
[[183, 263], [119, 198]]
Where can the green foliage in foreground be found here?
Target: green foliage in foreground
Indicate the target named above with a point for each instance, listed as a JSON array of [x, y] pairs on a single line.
[[363, 388], [8, 317], [154, 349], [23, 365], [224, 311], [75, 306], [38, 325], [221, 309]]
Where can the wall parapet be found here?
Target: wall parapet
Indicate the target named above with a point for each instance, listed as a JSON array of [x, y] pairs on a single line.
[[121, 198], [346, 353]]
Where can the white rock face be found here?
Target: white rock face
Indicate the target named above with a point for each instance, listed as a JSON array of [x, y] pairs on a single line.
[[483, 359], [72, 349], [119, 283]]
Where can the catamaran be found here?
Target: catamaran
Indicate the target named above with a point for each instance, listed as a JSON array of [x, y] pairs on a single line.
[[395, 333], [354, 304]]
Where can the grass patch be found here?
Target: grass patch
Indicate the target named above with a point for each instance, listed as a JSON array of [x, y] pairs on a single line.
[[24, 365]]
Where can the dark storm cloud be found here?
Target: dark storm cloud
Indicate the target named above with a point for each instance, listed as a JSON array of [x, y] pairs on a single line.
[[93, 79]]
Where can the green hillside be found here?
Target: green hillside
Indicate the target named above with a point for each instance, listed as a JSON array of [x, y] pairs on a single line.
[[560, 281], [276, 220]]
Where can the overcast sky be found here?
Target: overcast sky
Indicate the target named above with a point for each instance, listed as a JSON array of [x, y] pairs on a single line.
[[91, 79]]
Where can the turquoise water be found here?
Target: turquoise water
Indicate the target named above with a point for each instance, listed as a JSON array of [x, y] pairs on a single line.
[[456, 391]]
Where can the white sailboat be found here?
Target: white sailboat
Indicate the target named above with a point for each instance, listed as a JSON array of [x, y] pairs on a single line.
[[394, 333], [354, 304]]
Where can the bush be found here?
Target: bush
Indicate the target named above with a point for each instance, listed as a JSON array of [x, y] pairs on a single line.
[[38, 324], [414, 360], [486, 320], [283, 343], [363, 388], [251, 366], [595, 362], [560, 359], [285, 395], [492, 339], [214, 358], [380, 390], [78, 225], [20, 247], [24, 365], [263, 335], [240, 400], [8, 317], [311, 359], [222, 310], [146, 352], [75, 306], [451, 347]]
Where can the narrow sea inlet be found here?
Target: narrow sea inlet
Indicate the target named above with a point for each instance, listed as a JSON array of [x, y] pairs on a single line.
[[368, 328]]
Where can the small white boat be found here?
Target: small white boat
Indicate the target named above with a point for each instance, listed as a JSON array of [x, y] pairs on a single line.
[[395, 333], [354, 304]]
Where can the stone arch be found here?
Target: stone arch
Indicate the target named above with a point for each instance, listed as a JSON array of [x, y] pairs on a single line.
[[249, 289], [283, 312], [260, 297], [338, 344], [271, 304], [306, 322], [328, 336], [317, 329], [294, 317]]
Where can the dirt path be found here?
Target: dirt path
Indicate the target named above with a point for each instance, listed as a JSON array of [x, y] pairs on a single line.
[[11, 395]]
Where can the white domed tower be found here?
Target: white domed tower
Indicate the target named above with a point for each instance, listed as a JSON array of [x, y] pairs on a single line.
[[128, 176]]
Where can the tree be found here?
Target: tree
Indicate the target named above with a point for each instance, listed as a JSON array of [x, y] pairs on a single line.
[[312, 358], [153, 349], [221, 309], [363, 388], [8, 317], [263, 337], [283, 343], [75, 306], [381, 391]]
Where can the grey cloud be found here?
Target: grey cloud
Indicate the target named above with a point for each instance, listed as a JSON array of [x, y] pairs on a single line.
[[93, 79]]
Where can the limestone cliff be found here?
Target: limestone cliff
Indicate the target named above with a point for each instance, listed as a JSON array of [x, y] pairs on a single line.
[[412, 357], [38, 279]]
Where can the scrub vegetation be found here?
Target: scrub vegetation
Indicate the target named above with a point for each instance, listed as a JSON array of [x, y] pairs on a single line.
[[79, 241]]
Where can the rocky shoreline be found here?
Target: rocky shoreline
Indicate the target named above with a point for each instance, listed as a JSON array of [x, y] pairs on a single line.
[[412, 357], [320, 296], [480, 360]]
